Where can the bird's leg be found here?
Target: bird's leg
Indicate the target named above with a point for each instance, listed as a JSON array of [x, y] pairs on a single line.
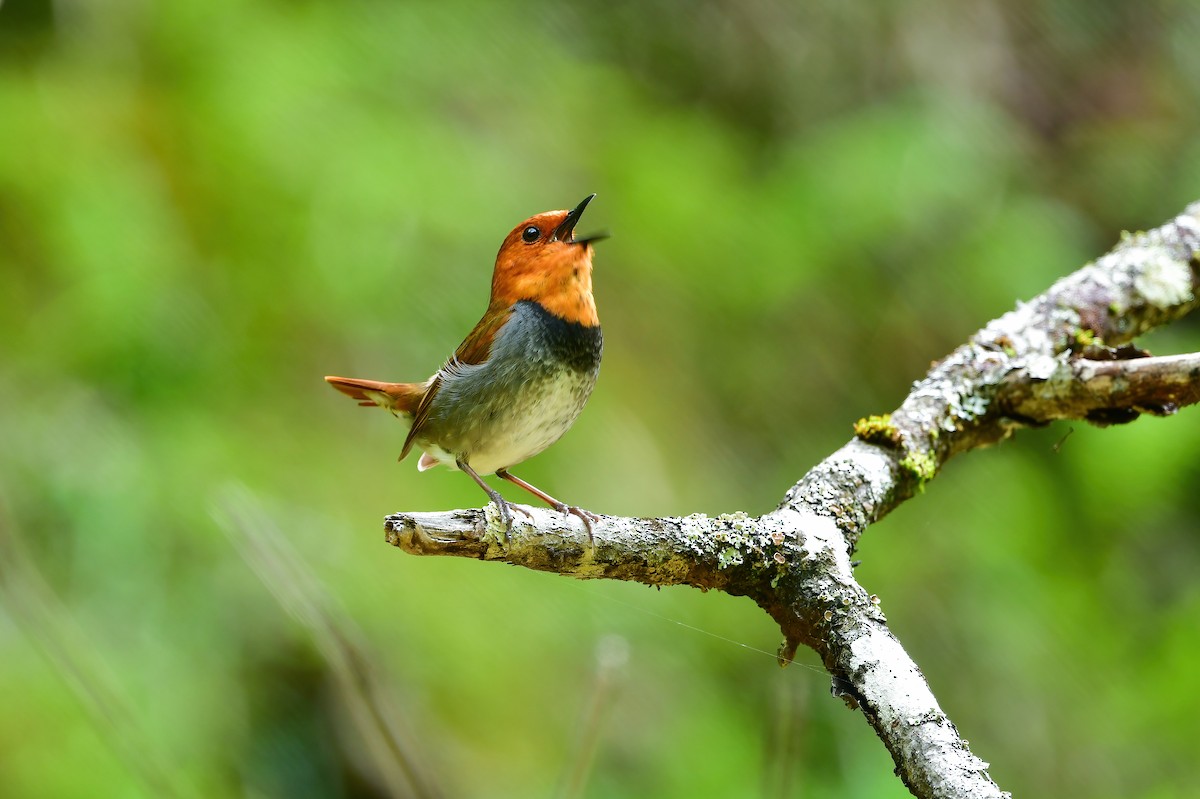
[[588, 517], [502, 505]]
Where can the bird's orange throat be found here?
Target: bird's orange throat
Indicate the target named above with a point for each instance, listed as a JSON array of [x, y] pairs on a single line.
[[562, 285], [572, 304]]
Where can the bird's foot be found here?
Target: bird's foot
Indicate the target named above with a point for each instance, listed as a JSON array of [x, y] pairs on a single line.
[[588, 517], [505, 509]]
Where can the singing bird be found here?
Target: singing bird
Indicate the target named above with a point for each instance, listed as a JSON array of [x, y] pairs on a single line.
[[521, 377]]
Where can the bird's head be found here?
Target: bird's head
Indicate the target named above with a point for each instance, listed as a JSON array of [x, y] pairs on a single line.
[[542, 260]]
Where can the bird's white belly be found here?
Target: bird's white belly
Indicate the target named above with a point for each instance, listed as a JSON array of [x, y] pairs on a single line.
[[531, 421]]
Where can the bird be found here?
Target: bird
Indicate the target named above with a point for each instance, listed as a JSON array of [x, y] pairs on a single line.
[[521, 377]]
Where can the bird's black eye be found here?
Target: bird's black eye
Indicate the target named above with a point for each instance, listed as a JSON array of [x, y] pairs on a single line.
[[530, 234]]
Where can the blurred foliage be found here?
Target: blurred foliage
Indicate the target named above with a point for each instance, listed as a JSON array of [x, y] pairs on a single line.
[[204, 207]]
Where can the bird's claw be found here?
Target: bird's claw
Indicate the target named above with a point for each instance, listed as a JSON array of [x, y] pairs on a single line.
[[587, 516], [506, 508]]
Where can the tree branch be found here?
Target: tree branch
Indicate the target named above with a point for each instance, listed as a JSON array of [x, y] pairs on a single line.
[[1108, 391], [1059, 356]]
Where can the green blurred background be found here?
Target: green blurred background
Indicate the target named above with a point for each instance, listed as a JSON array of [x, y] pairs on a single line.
[[205, 207]]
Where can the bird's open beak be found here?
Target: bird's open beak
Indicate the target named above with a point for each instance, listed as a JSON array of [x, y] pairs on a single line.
[[566, 231], [591, 238]]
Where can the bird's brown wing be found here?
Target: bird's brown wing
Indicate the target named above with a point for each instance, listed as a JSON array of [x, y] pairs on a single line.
[[475, 349]]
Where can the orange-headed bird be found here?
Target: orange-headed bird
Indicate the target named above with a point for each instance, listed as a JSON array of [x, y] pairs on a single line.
[[521, 377]]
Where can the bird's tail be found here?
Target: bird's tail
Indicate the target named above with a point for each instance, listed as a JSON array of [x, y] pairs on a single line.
[[396, 397]]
